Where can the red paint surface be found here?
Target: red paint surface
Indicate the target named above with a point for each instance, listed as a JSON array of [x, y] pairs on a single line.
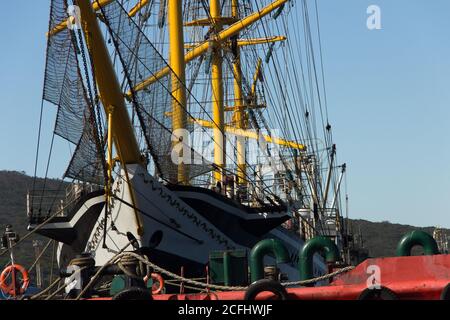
[[411, 278]]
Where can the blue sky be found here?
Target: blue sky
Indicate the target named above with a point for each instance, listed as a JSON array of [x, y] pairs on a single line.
[[388, 97]]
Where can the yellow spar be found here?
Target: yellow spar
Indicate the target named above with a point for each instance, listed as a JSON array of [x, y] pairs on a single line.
[[246, 42], [222, 36], [96, 5], [253, 135]]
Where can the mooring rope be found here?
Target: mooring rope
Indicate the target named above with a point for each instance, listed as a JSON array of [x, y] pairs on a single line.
[[40, 255], [127, 256], [192, 282], [48, 289], [228, 288]]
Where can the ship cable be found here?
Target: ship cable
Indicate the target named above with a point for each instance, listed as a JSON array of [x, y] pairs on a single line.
[[48, 289], [38, 146], [233, 288], [40, 255], [65, 284], [97, 129], [37, 153], [53, 285], [284, 95]]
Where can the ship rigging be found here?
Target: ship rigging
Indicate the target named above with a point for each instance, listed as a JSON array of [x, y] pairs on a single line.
[[195, 125]]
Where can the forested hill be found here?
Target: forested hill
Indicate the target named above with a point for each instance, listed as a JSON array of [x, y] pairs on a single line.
[[381, 238], [13, 210], [13, 195]]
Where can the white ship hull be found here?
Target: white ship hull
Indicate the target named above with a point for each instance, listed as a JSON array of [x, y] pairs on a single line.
[[175, 233]]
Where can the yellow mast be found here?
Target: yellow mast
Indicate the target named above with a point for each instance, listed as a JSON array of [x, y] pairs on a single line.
[[111, 96], [217, 94], [239, 113], [179, 115]]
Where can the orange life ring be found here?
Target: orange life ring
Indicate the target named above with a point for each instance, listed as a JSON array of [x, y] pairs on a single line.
[[10, 288], [159, 279]]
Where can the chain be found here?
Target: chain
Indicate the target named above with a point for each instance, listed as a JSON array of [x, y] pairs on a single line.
[[96, 236], [98, 131]]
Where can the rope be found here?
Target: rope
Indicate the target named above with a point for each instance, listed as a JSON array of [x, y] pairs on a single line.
[[313, 280], [66, 284], [48, 289], [130, 256], [99, 272], [40, 255], [234, 288], [184, 286], [218, 287], [37, 152], [83, 262]]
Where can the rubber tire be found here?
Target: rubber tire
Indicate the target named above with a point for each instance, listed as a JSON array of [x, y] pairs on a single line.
[[133, 294], [266, 285], [445, 295], [382, 294]]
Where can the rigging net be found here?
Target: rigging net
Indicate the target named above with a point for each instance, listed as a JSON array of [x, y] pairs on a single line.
[[65, 88]]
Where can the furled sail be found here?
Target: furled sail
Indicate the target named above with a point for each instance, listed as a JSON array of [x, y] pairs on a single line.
[[141, 60], [64, 87]]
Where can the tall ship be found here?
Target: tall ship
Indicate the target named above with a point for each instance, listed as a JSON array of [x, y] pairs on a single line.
[[195, 126]]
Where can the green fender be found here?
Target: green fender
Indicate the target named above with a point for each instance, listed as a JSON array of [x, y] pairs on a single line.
[[417, 238], [260, 250], [311, 247]]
